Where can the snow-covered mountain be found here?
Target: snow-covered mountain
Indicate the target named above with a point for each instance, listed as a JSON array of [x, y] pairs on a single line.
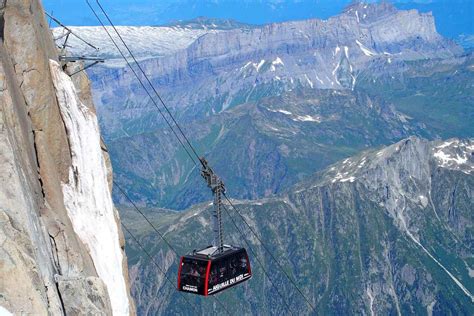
[[206, 72], [361, 26], [453, 16]]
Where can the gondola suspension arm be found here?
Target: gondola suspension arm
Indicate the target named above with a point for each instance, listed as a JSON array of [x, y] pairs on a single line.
[[218, 189]]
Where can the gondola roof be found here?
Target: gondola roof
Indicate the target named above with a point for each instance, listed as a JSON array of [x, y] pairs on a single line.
[[211, 252]]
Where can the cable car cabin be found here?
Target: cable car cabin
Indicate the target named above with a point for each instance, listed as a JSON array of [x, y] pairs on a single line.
[[206, 272]]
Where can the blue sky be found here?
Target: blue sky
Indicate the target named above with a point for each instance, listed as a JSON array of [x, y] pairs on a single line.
[[453, 17]]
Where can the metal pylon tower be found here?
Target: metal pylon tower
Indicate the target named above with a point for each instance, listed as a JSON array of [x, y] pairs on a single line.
[[218, 189]]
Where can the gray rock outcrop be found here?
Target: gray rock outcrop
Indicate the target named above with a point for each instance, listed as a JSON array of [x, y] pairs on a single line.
[[45, 267]]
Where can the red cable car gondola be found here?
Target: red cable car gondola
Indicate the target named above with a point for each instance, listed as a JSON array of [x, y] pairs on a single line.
[[207, 271], [215, 268]]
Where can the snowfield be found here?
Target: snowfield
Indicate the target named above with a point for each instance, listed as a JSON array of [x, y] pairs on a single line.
[[144, 41]]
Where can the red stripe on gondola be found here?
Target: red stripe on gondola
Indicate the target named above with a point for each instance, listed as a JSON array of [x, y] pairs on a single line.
[[179, 273], [206, 283], [248, 263]]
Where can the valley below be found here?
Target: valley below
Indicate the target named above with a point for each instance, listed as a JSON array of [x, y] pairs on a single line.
[[388, 231]]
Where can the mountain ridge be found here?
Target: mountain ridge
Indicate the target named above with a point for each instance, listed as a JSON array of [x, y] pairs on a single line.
[[203, 22], [217, 68], [368, 13]]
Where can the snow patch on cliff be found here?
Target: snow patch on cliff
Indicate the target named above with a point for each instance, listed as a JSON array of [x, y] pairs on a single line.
[[346, 51], [309, 81], [87, 196], [307, 118], [4, 312], [455, 155], [298, 118], [280, 111], [365, 50], [371, 299], [343, 177], [319, 79], [275, 63], [423, 201]]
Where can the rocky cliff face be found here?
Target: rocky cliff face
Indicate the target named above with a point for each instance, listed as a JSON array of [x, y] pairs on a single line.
[[388, 231], [60, 239]]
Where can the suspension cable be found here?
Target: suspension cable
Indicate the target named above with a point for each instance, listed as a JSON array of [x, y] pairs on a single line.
[[269, 252], [174, 132], [258, 260], [149, 81], [135, 239], [68, 29], [140, 81], [145, 217], [184, 136]]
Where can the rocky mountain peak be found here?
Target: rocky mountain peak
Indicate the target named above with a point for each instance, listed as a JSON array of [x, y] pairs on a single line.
[[411, 154], [398, 174], [204, 72], [206, 23], [414, 155], [364, 10]]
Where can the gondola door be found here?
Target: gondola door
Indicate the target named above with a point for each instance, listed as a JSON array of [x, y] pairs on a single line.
[[192, 275]]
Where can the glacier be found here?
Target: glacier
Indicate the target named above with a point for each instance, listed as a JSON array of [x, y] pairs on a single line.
[[87, 196], [146, 41]]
